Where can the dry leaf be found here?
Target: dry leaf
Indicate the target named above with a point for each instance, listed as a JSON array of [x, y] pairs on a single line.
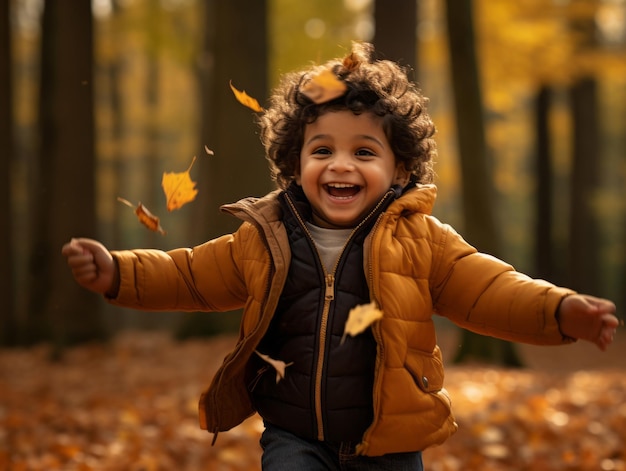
[[360, 318], [323, 87], [246, 100], [145, 217], [351, 62], [179, 188], [144, 407], [278, 365]]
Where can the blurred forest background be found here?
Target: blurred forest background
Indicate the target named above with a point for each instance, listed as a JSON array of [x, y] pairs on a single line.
[[98, 99]]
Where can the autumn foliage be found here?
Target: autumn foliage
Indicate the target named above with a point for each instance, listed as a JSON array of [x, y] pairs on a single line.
[[132, 405]]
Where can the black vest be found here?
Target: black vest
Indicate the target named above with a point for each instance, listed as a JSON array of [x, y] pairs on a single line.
[[294, 336]]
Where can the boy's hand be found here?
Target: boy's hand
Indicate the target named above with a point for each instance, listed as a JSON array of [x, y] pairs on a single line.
[[92, 265], [588, 318]]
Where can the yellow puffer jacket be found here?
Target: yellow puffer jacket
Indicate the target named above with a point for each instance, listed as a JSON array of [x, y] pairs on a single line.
[[415, 266]]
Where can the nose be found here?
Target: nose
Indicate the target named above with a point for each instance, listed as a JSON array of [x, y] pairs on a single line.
[[341, 162]]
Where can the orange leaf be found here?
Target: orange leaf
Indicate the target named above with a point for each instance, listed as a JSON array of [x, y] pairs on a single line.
[[246, 100], [145, 217], [179, 188], [323, 87]]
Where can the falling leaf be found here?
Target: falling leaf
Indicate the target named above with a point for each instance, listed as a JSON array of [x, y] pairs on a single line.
[[179, 188], [246, 100], [208, 151], [360, 318], [323, 87], [278, 365], [145, 217]]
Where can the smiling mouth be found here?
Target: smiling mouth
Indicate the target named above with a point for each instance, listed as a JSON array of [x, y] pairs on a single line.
[[342, 190]]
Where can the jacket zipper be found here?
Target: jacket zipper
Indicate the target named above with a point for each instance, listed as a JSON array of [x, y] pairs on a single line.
[[329, 295]]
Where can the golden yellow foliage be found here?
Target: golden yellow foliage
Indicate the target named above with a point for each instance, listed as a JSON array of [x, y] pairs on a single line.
[[323, 87], [179, 188], [246, 100]]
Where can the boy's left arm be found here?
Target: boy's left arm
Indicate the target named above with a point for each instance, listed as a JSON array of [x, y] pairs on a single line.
[[588, 318]]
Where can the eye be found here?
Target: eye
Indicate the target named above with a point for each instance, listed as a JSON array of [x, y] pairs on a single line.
[[365, 153], [321, 151]]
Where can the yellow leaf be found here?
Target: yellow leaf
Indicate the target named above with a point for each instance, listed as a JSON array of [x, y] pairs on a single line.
[[179, 188], [145, 217], [323, 87], [278, 365], [360, 318], [246, 100]]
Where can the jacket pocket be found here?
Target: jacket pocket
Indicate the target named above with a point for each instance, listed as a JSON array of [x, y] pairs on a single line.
[[426, 369]]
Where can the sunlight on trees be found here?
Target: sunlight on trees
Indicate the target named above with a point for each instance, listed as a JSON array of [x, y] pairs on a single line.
[[147, 109]]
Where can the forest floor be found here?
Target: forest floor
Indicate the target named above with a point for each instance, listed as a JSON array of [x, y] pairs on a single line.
[[131, 405]]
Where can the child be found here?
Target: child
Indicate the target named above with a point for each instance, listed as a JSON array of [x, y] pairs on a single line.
[[350, 146]]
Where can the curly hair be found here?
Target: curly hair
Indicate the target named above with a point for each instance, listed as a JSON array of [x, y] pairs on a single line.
[[381, 87]]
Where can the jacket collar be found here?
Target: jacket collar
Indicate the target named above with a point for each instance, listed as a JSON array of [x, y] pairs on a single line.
[[415, 199]]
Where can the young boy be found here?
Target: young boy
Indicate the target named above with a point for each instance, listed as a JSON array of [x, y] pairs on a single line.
[[350, 146]]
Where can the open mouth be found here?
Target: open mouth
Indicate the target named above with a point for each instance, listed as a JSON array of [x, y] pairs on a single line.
[[342, 190]]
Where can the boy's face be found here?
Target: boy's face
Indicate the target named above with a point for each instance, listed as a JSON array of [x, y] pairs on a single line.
[[346, 166]]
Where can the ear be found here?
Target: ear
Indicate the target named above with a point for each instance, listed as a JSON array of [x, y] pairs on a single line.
[[402, 175]]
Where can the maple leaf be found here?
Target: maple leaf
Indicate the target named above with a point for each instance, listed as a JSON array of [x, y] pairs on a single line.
[[278, 365], [178, 187], [246, 100], [323, 87], [145, 216], [360, 318]]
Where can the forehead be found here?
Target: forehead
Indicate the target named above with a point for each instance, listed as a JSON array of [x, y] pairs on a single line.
[[346, 123]]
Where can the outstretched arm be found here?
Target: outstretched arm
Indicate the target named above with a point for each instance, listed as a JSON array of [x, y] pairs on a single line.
[[92, 265], [588, 318]]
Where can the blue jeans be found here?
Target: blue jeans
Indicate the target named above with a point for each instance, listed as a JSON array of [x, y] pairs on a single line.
[[283, 451]]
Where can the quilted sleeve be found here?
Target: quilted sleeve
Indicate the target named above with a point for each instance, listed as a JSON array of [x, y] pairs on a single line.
[[486, 295], [208, 277]]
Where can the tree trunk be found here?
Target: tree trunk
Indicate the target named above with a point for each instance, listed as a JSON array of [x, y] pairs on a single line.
[[235, 48], [584, 237], [543, 204], [8, 321], [59, 309], [477, 193], [395, 28]]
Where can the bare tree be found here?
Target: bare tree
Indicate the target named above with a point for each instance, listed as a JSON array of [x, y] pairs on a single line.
[[543, 204], [477, 193], [395, 29], [234, 49], [587, 156], [64, 193], [8, 322]]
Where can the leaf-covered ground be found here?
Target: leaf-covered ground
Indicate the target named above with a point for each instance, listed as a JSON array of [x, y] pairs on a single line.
[[131, 405]]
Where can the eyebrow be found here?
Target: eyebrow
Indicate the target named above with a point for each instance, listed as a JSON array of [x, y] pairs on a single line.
[[360, 136]]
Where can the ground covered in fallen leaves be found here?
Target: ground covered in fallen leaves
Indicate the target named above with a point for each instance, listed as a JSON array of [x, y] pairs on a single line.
[[131, 405]]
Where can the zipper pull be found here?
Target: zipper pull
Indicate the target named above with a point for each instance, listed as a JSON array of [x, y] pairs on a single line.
[[330, 287]]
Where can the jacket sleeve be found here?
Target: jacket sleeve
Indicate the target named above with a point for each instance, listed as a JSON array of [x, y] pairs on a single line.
[[486, 295], [208, 277]]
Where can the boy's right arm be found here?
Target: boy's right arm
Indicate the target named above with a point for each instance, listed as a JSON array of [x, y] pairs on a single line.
[[92, 265]]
